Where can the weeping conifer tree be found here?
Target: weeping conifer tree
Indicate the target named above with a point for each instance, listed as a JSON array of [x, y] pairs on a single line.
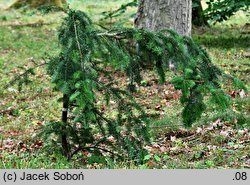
[[88, 52]]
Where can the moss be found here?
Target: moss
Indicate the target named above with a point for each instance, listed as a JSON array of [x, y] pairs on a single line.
[[34, 3]]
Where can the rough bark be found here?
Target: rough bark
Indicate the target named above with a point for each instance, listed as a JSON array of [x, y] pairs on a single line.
[[165, 14], [37, 3]]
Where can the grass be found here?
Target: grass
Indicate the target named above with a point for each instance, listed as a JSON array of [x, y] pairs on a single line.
[[224, 145]]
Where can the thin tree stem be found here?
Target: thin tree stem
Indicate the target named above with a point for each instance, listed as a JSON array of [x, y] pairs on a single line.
[[64, 141]]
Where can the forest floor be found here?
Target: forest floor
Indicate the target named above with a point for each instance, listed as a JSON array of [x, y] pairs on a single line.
[[220, 139]]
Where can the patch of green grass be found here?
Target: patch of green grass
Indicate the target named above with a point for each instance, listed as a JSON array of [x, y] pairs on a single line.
[[34, 160], [96, 8]]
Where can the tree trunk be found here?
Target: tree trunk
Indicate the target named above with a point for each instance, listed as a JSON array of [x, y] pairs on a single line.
[[165, 14], [65, 144], [197, 15], [37, 3]]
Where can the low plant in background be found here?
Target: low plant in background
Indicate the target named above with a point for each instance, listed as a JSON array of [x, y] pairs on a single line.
[[222, 10]]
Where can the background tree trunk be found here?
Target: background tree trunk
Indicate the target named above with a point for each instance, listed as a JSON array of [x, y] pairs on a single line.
[[198, 18], [37, 3], [161, 14]]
